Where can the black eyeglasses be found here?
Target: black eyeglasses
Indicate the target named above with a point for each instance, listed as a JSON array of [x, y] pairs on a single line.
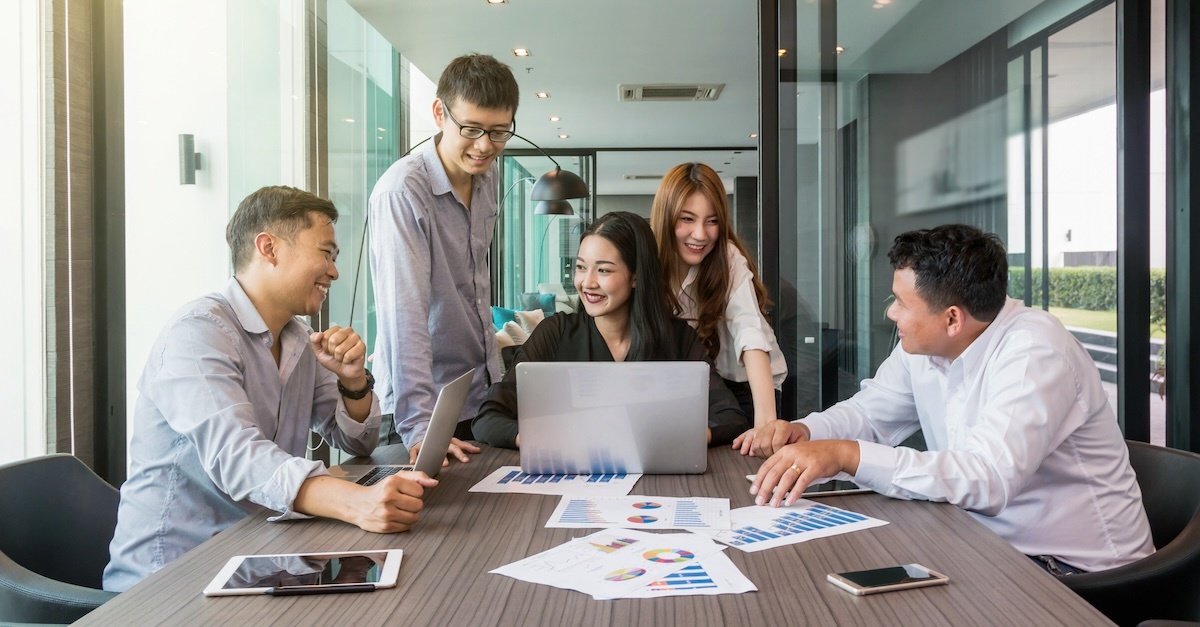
[[474, 132]]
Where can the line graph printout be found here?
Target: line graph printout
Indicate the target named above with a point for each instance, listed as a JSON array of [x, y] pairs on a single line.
[[641, 512], [511, 480], [761, 527], [612, 563]]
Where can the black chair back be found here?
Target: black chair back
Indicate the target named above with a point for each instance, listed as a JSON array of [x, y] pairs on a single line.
[[59, 519], [1165, 585]]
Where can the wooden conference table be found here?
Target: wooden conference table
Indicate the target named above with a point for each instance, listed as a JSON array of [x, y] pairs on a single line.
[[461, 536]]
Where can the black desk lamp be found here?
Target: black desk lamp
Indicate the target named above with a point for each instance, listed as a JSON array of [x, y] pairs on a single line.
[[554, 188]]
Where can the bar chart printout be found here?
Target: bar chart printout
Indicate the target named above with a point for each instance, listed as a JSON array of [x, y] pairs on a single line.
[[511, 480], [761, 527], [641, 512]]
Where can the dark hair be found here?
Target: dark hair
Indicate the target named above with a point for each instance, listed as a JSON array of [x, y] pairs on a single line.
[[651, 325], [285, 211], [480, 80], [955, 264], [712, 280]]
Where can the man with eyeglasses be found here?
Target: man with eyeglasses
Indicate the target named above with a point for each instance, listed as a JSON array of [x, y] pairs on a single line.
[[432, 215]]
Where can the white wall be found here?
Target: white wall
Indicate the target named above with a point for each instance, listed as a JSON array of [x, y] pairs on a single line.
[[176, 82], [22, 373]]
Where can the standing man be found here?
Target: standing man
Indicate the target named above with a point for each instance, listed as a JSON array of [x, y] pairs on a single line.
[[432, 216], [234, 385], [1019, 429]]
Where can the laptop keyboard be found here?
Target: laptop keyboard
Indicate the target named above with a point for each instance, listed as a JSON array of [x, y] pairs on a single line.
[[379, 473]]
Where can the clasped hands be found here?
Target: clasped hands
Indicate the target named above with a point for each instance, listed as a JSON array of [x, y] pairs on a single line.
[[793, 461]]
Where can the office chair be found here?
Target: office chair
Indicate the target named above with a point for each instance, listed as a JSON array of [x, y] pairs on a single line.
[[58, 520], [1164, 585]]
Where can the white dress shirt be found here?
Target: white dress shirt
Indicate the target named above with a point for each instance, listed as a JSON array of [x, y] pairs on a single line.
[[744, 327], [1020, 434]]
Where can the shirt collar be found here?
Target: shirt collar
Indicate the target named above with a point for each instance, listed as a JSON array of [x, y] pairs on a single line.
[[972, 358], [247, 314], [439, 183]]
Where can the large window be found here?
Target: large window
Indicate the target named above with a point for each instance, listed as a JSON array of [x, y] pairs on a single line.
[[882, 122]]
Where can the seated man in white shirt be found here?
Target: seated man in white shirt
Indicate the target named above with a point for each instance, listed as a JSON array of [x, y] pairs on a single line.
[[1019, 429], [232, 389]]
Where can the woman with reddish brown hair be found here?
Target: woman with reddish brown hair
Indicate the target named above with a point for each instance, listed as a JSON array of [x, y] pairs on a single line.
[[716, 288]]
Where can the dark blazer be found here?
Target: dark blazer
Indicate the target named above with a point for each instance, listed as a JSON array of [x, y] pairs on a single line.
[[574, 337]]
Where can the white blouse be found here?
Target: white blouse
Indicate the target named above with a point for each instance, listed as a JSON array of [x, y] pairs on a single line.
[[743, 328]]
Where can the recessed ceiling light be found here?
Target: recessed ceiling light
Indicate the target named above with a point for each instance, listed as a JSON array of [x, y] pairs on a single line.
[[382, 130], [839, 49], [563, 136], [521, 52], [554, 118], [350, 120], [782, 52], [542, 94], [496, 1], [753, 135]]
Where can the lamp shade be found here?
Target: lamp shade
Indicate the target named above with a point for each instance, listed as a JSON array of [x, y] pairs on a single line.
[[558, 184], [554, 207]]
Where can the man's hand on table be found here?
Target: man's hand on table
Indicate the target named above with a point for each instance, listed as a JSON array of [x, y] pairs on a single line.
[[782, 479]]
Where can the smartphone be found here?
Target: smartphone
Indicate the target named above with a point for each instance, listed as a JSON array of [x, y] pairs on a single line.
[[862, 582]]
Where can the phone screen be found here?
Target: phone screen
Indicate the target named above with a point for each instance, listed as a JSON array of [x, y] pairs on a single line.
[[890, 576]]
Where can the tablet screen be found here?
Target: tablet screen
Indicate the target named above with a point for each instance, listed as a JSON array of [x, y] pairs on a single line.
[[278, 571]]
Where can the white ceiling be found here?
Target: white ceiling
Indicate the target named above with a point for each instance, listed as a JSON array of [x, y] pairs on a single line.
[[581, 52]]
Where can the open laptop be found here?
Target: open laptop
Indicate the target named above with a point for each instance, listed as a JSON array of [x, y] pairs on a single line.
[[446, 412], [605, 417]]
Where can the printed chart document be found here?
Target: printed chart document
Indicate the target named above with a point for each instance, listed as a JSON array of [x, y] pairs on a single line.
[[716, 575], [510, 480], [761, 527], [641, 512], [614, 563]]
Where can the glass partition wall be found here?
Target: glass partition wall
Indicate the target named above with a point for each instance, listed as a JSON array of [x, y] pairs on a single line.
[[889, 116], [533, 255]]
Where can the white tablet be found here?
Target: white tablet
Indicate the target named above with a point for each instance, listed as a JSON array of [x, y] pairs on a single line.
[[307, 573]]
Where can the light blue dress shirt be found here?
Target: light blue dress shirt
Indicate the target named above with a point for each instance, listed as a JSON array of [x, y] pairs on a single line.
[[429, 266], [220, 431]]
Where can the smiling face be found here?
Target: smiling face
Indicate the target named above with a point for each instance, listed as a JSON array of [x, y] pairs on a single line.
[[462, 157], [308, 266], [603, 280], [921, 331], [696, 229]]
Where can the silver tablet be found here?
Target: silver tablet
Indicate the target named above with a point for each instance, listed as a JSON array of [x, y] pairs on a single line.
[[307, 573]]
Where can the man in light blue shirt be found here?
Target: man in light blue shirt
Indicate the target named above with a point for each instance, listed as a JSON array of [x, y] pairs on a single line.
[[432, 216], [232, 388]]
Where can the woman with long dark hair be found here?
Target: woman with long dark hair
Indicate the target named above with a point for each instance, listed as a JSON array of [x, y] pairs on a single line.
[[627, 316]]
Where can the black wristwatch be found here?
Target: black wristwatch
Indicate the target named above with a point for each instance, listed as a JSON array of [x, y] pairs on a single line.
[[355, 395]]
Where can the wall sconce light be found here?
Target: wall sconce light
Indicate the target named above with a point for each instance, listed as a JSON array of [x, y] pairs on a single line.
[[189, 160]]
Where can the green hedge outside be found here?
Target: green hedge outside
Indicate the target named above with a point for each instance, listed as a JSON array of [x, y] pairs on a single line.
[[1089, 287]]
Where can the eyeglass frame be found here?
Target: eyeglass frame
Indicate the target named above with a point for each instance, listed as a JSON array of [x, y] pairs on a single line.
[[463, 130]]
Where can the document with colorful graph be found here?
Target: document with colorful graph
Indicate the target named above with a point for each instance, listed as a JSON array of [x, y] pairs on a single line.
[[612, 563], [761, 527], [716, 574], [641, 512], [510, 480]]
